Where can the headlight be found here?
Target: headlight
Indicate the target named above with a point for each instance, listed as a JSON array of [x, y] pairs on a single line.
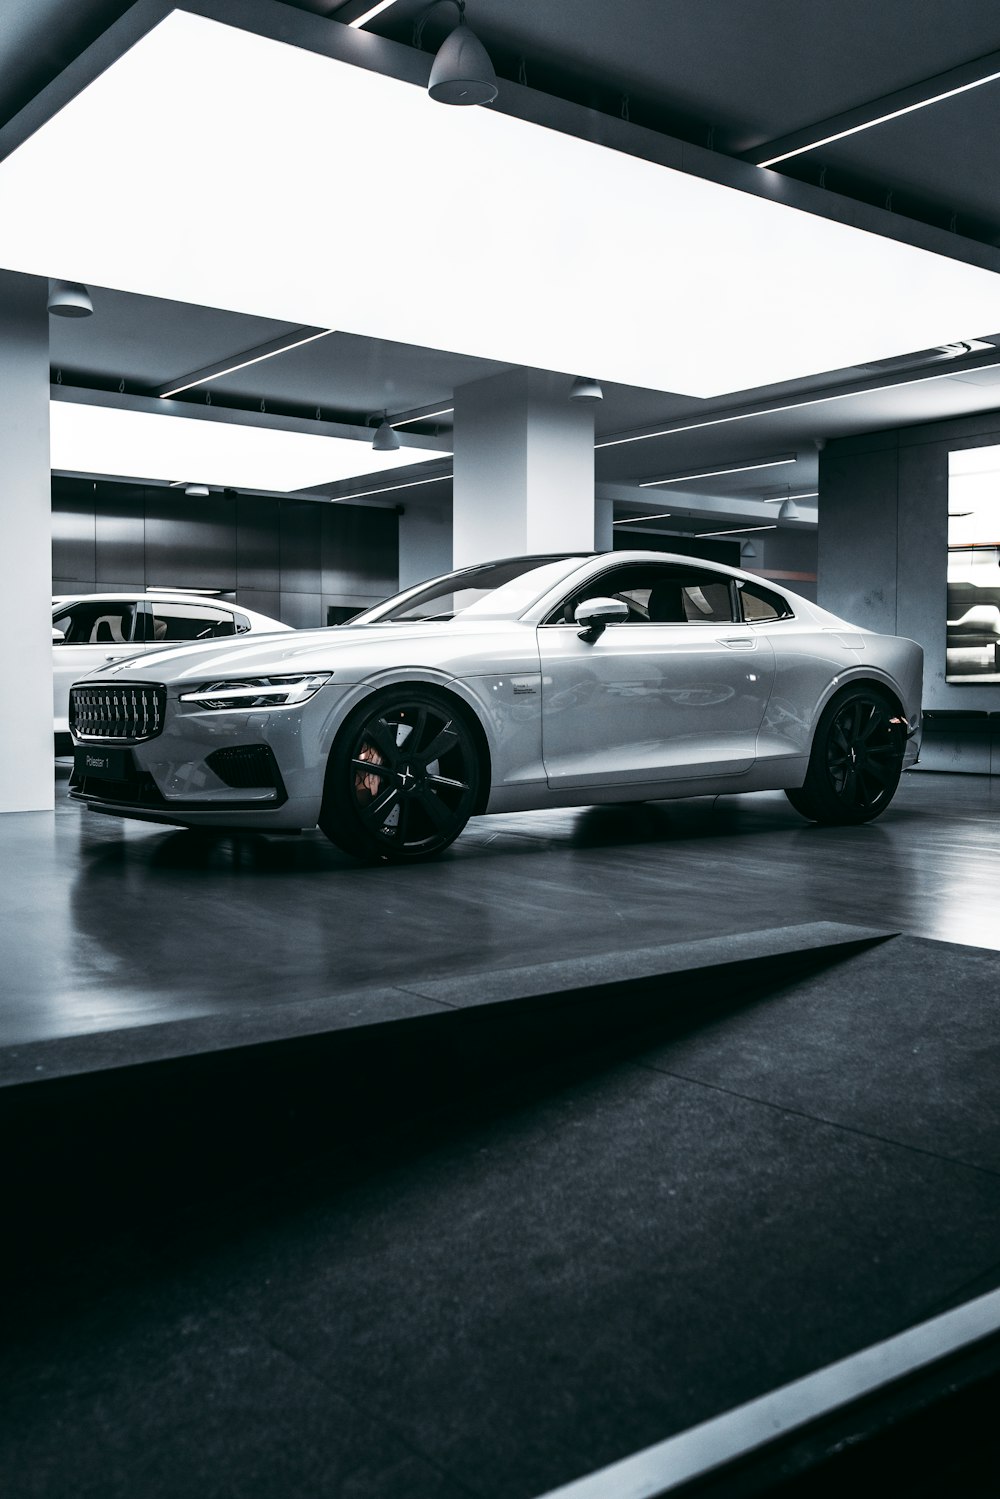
[[257, 692]]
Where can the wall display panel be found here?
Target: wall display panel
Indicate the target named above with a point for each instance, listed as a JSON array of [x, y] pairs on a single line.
[[973, 639]]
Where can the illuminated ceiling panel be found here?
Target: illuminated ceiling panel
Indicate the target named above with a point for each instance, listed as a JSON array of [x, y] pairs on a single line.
[[216, 167], [144, 445]]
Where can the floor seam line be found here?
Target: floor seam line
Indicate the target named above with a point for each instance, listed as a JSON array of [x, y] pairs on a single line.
[[781, 1108]]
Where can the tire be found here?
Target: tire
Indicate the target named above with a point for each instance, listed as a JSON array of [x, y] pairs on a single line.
[[856, 759], [403, 777]]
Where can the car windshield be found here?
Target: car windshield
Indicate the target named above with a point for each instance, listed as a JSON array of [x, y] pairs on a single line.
[[495, 588]]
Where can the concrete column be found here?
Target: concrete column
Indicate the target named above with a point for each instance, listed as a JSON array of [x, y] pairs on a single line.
[[524, 468], [26, 784], [604, 525], [424, 543]]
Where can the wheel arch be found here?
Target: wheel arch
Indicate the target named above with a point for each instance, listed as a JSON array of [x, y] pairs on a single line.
[[863, 677], [443, 687]]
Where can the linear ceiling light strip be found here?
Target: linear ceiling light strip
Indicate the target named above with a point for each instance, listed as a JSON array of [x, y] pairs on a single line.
[[243, 364], [425, 416], [736, 531], [634, 520], [388, 488], [714, 473], [744, 416], [893, 114], [371, 13]]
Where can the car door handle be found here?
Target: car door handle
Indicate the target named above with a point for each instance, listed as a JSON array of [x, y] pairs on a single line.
[[738, 643]]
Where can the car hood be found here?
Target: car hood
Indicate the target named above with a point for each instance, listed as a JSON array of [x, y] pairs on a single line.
[[327, 649]]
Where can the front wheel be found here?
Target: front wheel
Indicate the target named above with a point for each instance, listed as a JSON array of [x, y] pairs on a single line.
[[856, 760], [403, 777]]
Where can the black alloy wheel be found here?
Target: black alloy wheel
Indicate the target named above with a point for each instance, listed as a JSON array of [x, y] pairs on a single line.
[[403, 777], [856, 760]]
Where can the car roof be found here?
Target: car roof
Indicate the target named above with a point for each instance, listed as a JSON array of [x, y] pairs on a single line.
[[163, 594]]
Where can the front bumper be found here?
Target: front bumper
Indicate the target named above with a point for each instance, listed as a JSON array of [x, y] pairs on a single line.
[[208, 768]]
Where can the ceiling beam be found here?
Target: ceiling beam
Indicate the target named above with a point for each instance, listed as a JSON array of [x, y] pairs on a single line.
[[722, 416], [275, 421]]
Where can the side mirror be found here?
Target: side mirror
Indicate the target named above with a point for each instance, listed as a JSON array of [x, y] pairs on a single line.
[[57, 635], [595, 614]]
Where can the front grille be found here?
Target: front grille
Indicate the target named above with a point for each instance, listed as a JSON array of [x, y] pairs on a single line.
[[125, 714]]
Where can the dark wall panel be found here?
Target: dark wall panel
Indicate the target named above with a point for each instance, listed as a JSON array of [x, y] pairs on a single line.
[[257, 545], [120, 533], [190, 543], [290, 559], [359, 552], [260, 599], [74, 534], [299, 540], [303, 611]]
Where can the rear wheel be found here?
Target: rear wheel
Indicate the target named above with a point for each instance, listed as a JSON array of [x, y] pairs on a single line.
[[402, 779], [856, 760]]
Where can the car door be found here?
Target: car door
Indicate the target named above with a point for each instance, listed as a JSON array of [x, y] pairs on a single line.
[[676, 693], [92, 633]]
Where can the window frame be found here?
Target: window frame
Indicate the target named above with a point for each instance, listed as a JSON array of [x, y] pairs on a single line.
[[593, 586], [768, 593], [215, 614]]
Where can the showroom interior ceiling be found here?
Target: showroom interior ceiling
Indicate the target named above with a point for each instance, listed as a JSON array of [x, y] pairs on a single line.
[[730, 77]]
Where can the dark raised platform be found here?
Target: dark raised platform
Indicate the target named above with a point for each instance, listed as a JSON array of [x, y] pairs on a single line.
[[487, 1237]]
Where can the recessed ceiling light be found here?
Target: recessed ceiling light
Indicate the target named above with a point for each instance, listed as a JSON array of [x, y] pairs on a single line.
[[788, 293], [149, 445]]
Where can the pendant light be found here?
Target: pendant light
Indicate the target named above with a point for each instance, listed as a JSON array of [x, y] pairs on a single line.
[[69, 299], [462, 72], [584, 389], [385, 440]]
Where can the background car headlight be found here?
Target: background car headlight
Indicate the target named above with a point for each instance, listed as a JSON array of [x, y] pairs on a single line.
[[257, 692]]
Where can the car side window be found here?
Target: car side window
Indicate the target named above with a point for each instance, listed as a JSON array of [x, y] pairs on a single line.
[[175, 622], [658, 594], [759, 604], [96, 622]]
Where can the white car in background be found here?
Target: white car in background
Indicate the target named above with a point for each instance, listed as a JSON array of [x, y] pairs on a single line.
[[96, 630]]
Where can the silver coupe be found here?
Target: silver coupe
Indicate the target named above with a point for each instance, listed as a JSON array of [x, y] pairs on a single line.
[[531, 682]]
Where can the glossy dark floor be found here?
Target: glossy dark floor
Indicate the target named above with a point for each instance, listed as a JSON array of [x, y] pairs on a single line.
[[106, 924]]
